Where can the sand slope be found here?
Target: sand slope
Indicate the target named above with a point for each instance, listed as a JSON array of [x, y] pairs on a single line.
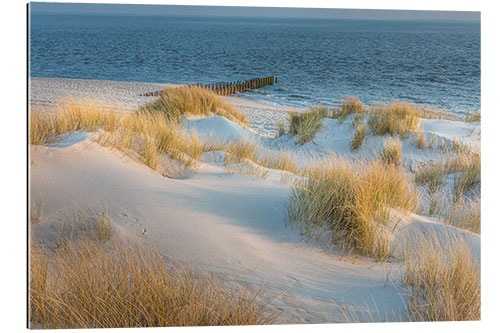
[[232, 225]]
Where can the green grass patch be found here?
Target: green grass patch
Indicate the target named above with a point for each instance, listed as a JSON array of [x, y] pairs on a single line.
[[306, 124]]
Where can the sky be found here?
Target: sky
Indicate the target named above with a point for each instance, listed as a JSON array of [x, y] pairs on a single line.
[[88, 8]]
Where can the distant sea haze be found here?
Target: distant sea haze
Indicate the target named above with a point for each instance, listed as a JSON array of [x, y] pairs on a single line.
[[316, 60]]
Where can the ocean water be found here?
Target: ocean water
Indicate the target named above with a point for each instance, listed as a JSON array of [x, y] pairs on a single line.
[[316, 61]]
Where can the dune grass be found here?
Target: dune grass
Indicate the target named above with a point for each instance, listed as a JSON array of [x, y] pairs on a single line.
[[280, 160], [469, 177], [151, 136], [281, 130], [47, 127], [473, 117], [101, 282], [86, 226], [244, 167], [443, 284], [392, 151], [359, 136], [396, 118], [141, 135], [242, 149], [431, 175], [352, 200], [442, 281], [466, 166], [176, 102], [420, 139], [35, 212], [144, 136], [348, 105], [306, 124], [463, 209], [464, 213]]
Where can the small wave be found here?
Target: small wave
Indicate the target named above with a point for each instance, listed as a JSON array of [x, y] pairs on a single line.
[[262, 92], [299, 96]]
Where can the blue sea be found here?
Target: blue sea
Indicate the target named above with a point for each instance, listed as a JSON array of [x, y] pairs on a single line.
[[316, 60]]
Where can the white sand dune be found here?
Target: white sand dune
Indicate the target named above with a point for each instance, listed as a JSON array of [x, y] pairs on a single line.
[[220, 129], [335, 138], [263, 118], [231, 225]]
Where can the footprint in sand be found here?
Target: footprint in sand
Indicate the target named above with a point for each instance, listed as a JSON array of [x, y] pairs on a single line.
[[295, 281], [136, 220]]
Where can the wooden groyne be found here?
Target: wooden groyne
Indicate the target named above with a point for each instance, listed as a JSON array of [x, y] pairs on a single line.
[[229, 88]]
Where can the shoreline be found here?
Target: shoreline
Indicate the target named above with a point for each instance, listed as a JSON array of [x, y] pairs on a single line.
[[134, 87], [48, 92]]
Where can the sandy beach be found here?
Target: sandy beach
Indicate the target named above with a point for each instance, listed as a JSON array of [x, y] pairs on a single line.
[[50, 92], [230, 224]]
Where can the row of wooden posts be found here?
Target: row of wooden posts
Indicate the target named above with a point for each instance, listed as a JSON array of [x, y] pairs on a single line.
[[229, 88]]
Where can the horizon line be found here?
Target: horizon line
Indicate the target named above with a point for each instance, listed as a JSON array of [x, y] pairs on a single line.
[[253, 12]]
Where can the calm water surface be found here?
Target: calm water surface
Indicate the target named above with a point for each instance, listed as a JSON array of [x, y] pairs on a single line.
[[316, 61]]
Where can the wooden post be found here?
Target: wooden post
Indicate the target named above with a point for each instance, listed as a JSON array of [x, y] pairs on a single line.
[[229, 88]]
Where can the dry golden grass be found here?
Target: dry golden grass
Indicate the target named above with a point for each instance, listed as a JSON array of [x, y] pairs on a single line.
[[349, 105], [93, 282], [442, 279], [281, 160], [148, 151], [397, 118], [352, 199], [431, 175], [87, 226], [473, 117], [355, 314], [444, 284], [243, 149], [271, 159], [237, 151], [359, 136], [173, 103], [145, 136], [36, 211], [420, 139], [48, 127], [465, 163], [392, 151], [244, 167], [150, 136], [457, 147], [464, 213], [469, 177]]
